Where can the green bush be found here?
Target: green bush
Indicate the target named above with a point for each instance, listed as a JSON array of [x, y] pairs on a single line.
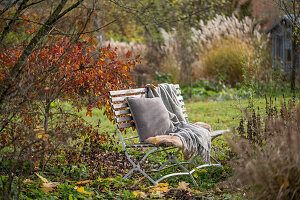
[[203, 89], [226, 60]]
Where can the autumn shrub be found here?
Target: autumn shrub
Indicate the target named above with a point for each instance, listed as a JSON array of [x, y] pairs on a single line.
[[225, 61], [35, 126], [268, 149], [230, 49]]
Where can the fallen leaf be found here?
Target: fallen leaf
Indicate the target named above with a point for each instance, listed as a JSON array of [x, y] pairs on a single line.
[[28, 181], [81, 190], [155, 141], [48, 187], [162, 189], [139, 194], [183, 185], [84, 182], [42, 178], [195, 175], [162, 185]]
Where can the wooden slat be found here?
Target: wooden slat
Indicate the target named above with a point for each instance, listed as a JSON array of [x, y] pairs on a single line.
[[120, 105], [124, 119], [129, 91], [180, 98], [126, 125], [122, 112], [116, 99]]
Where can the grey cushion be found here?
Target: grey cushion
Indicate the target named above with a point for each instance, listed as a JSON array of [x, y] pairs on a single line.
[[150, 116]]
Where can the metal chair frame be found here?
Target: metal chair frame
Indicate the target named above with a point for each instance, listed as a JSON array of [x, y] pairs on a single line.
[[123, 119]]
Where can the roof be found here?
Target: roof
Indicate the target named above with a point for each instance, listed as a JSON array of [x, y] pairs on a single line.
[[285, 17]]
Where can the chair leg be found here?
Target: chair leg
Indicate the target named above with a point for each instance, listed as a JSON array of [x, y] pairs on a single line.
[[173, 159], [136, 167]]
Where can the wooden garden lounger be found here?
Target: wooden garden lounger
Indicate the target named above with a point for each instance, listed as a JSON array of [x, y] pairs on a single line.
[[123, 119]]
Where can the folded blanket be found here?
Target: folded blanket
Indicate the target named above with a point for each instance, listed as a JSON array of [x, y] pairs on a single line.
[[167, 92], [169, 140], [194, 139]]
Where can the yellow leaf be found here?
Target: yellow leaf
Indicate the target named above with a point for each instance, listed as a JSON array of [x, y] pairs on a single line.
[[162, 185], [81, 190], [155, 141], [84, 182], [195, 175], [40, 135], [162, 189], [139, 194], [100, 180], [28, 181]]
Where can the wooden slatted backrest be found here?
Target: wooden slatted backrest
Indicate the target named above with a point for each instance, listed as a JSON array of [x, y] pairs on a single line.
[[121, 109], [180, 99]]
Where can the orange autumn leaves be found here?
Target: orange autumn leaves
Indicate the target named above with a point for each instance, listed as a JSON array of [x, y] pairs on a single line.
[[72, 71]]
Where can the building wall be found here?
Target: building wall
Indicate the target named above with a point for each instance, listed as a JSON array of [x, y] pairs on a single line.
[[282, 47]]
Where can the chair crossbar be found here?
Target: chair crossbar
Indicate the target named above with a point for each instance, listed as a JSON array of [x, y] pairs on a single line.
[[142, 145], [131, 138], [124, 119]]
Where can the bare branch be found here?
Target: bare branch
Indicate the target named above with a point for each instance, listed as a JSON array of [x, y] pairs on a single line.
[[8, 6], [7, 29]]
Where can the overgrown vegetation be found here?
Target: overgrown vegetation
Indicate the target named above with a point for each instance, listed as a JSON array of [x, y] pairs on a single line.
[[267, 146]]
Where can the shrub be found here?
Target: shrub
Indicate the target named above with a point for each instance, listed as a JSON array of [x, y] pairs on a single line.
[[225, 60], [231, 49], [269, 153]]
